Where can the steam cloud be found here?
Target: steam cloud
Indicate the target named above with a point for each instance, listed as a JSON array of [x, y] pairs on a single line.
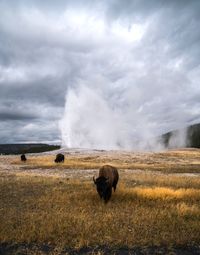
[[91, 121], [178, 139], [97, 119]]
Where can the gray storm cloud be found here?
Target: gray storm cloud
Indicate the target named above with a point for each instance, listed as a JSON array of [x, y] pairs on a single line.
[[119, 72], [131, 91]]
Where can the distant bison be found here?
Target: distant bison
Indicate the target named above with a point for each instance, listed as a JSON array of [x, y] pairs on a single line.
[[108, 179], [23, 157], [59, 158]]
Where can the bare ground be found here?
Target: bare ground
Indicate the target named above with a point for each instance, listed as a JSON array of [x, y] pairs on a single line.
[[185, 162]]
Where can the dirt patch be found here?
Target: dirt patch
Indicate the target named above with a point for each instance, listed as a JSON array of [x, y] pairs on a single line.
[[45, 249]]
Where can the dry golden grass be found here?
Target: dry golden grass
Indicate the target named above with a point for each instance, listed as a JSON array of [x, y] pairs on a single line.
[[70, 213], [152, 205], [185, 161], [152, 179]]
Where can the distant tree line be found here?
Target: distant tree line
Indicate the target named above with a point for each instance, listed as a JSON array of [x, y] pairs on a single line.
[[193, 134], [7, 149]]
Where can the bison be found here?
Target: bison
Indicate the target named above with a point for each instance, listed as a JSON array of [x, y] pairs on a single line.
[[23, 157], [59, 158], [108, 179]]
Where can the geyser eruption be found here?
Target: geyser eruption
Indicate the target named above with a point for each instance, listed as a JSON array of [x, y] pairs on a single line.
[[103, 117], [91, 121], [126, 91]]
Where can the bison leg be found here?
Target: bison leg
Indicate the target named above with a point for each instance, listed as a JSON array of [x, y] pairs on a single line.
[[115, 185], [108, 195]]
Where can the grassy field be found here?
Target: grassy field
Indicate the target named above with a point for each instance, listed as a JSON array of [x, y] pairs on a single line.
[[149, 209], [183, 161]]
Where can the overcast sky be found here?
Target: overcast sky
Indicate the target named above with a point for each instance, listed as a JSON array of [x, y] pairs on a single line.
[[97, 72]]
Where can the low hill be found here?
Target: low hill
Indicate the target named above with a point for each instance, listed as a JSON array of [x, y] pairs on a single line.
[[26, 148], [192, 136]]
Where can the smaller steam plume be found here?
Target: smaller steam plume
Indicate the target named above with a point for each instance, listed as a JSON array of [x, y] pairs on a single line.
[[178, 139]]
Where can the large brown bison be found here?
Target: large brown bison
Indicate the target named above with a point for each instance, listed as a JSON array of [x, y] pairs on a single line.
[[23, 157], [108, 179], [59, 158]]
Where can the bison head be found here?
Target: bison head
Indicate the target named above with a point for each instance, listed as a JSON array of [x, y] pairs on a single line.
[[103, 187]]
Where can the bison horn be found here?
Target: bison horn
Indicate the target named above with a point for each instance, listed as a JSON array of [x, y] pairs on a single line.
[[94, 180]]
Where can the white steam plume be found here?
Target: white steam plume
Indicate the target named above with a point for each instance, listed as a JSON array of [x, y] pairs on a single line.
[[178, 139], [91, 122], [94, 120], [98, 119], [125, 93]]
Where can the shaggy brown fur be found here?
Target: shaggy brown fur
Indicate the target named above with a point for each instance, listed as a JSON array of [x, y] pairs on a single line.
[[108, 179], [59, 158]]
